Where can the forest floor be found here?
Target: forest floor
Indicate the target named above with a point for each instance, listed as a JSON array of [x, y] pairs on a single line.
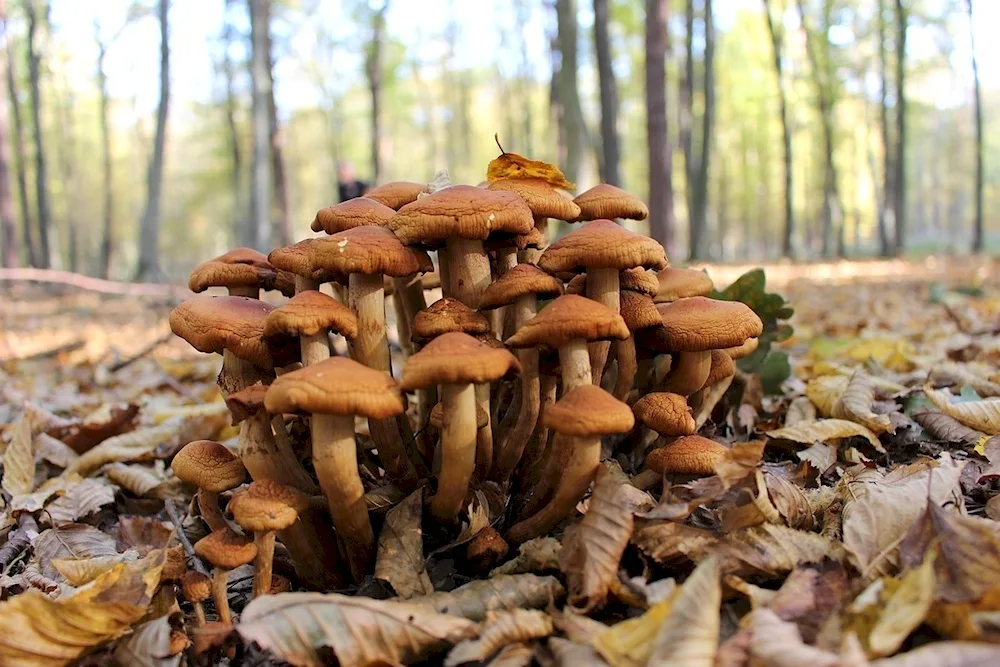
[[820, 547]]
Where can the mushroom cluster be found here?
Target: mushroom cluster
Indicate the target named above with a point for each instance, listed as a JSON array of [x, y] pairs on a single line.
[[504, 361]]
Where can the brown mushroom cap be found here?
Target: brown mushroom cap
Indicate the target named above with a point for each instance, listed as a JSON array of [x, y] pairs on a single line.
[[697, 324], [543, 199], [356, 212], [209, 465], [690, 455], [226, 549], [588, 410], [567, 318], [609, 201], [217, 323], [242, 267], [489, 340], [640, 280], [521, 280], [336, 386], [308, 313], [437, 417], [602, 244], [298, 259], [577, 285], [246, 402], [446, 315], [677, 284], [638, 310], [175, 564], [665, 413], [456, 358], [397, 194], [266, 505], [369, 251], [745, 350], [723, 366], [464, 211], [486, 548], [196, 586], [532, 239]]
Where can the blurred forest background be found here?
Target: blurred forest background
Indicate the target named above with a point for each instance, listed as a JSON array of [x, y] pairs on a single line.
[[137, 138]]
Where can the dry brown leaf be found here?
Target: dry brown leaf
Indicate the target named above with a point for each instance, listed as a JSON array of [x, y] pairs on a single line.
[[777, 643], [824, 430], [109, 420], [568, 653], [512, 165], [80, 571], [54, 451], [790, 502], [981, 415], [34, 501], [538, 555], [592, 548], [855, 404], [19, 460], [519, 625], [384, 497], [945, 654], [143, 534], [75, 540], [629, 643], [951, 372], [144, 481], [689, 636], [82, 500], [359, 630], [514, 655], [945, 427], [801, 409], [400, 559], [820, 456], [149, 646], [824, 391], [477, 599]]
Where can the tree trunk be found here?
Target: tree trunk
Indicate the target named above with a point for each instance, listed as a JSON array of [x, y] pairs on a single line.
[[21, 160], [685, 122], [699, 184], [373, 68], [610, 157], [777, 33], [259, 236], [240, 228], [899, 180], [977, 227], [108, 225], [8, 233], [661, 194], [41, 178], [568, 90], [66, 162], [885, 211], [149, 232], [283, 231]]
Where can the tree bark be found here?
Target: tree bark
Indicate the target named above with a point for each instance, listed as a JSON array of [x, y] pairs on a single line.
[[661, 195], [108, 226], [685, 122], [699, 183], [66, 163], [373, 69], [149, 233], [41, 178], [777, 33], [568, 90], [240, 227], [899, 179], [259, 230], [610, 156], [8, 233], [977, 227], [283, 232], [21, 160], [886, 203]]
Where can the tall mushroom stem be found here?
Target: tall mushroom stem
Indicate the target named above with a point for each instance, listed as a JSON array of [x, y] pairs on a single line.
[[688, 372], [220, 584], [408, 297], [503, 318], [458, 450], [265, 459], [574, 360], [303, 284], [315, 348], [211, 513], [336, 463], [263, 563], [238, 374], [531, 255], [371, 348], [602, 287], [627, 368]]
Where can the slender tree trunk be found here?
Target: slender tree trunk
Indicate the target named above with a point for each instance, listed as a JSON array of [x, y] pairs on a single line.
[[149, 231], [899, 181], [8, 233], [41, 177], [283, 231], [661, 192], [259, 236], [373, 68], [977, 226], [777, 33], [610, 170], [66, 163], [21, 161], [699, 184], [568, 90], [240, 228], [685, 123], [108, 225], [886, 203]]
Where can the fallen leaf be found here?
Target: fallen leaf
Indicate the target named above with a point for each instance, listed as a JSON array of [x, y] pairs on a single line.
[[573, 654], [981, 415], [82, 500], [540, 554], [54, 451], [945, 654], [80, 571], [801, 409], [519, 625], [149, 646], [517, 654], [477, 599], [400, 559], [689, 635], [629, 643], [75, 540], [789, 501], [824, 392], [143, 481], [359, 630], [945, 427], [143, 534], [855, 404], [777, 643], [19, 460], [951, 372], [820, 456], [823, 430], [107, 421], [512, 165]]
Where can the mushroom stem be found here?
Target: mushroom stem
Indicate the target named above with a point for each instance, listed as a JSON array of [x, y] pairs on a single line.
[[646, 480], [262, 565], [627, 368], [484, 435], [540, 435], [336, 463], [574, 359], [303, 284], [199, 613], [514, 441], [408, 295], [208, 504], [238, 374], [469, 270], [220, 582], [312, 545], [573, 484], [710, 398], [251, 291], [688, 372], [315, 347], [458, 450], [530, 255], [265, 459], [503, 324], [602, 287]]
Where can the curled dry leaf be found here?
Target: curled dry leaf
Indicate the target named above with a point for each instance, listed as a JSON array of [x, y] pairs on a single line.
[[824, 430], [360, 631], [801, 409], [947, 428], [689, 636], [946, 654], [384, 497], [80, 571], [980, 415], [75, 540], [477, 599], [54, 451], [512, 165], [149, 646], [593, 548], [538, 555], [777, 643], [568, 653], [518, 654], [107, 421], [34, 501], [82, 500], [629, 643], [519, 625], [400, 559], [820, 456], [855, 404], [19, 460], [951, 372], [824, 392], [142, 481], [143, 534]]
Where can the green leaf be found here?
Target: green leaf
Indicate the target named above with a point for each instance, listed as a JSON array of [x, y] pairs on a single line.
[[774, 370]]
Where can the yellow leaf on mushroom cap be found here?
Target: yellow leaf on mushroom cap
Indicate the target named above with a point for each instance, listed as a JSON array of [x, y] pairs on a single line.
[[512, 165]]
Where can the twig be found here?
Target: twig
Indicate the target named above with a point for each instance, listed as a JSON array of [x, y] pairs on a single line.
[[91, 284], [117, 366], [46, 353], [172, 382], [185, 542]]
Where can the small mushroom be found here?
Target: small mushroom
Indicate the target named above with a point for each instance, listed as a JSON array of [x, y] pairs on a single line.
[[744, 350], [690, 455], [213, 469], [445, 316], [311, 315], [174, 566], [243, 272], [667, 414], [544, 201], [226, 550], [197, 588], [486, 549], [265, 507], [357, 212], [677, 284], [397, 194], [608, 201]]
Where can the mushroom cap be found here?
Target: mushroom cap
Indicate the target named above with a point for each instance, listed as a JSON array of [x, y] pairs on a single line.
[[226, 549], [677, 284], [489, 340], [543, 199], [308, 313], [609, 201], [356, 212], [437, 417], [464, 211], [279, 584], [196, 586], [638, 310], [690, 455], [588, 410], [723, 366], [369, 251], [665, 413], [577, 284], [456, 358], [266, 505], [698, 324], [210, 637], [532, 239], [175, 564], [486, 548], [523, 279], [209, 465], [602, 244], [298, 259], [242, 267], [446, 315], [748, 347], [640, 280], [246, 402], [397, 194], [567, 318], [336, 386], [217, 323]]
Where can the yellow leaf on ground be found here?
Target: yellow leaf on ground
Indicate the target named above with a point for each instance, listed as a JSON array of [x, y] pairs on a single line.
[[519, 625], [19, 460], [823, 430], [689, 636], [855, 404], [981, 415]]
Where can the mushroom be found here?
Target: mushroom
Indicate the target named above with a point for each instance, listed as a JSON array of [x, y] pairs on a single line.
[[265, 507], [197, 588], [569, 323], [544, 201], [334, 391], [486, 549], [745, 350], [722, 367], [667, 414], [602, 249], [689, 455], [519, 289], [579, 419], [639, 312], [695, 326], [608, 201], [213, 469], [677, 284], [243, 272], [445, 316], [397, 194], [457, 362], [311, 315], [226, 550], [298, 259], [357, 212]]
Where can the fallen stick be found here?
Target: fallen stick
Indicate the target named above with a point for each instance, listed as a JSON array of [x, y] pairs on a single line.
[[185, 542], [91, 284], [117, 366]]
